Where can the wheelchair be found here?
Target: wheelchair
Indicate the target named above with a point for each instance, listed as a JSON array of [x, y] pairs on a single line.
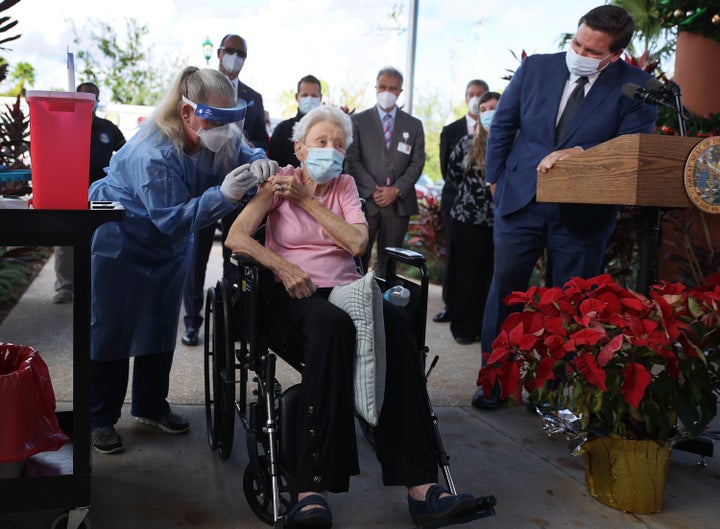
[[239, 373]]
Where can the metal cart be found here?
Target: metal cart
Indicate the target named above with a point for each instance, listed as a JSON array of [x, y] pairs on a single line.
[[69, 487]]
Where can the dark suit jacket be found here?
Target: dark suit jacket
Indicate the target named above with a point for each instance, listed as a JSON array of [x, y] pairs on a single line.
[[449, 137], [523, 127], [254, 117], [282, 148], [371, 163]]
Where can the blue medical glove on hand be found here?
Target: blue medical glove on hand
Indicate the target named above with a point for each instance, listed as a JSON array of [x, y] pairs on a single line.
[[264, 169], [238, 182]]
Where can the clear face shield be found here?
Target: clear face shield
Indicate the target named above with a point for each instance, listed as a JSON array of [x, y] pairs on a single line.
[[228, 124]]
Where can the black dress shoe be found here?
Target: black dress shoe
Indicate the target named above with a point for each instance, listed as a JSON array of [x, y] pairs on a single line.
[[442, 317], [191, 336], [465, 341], [491, 402]]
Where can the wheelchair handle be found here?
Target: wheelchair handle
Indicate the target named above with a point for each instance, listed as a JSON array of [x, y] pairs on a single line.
[[406, 256]]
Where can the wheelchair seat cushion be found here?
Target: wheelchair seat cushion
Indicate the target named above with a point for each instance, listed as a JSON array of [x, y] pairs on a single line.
[[362, 300]]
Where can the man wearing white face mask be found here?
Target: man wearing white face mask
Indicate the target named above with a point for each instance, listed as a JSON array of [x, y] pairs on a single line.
[[386, 159], [554, 107], [449, 137], [308, 96], [232, 53]]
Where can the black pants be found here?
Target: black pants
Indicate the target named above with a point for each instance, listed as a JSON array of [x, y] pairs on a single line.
[[193, 294], [326, 444], [150, 386], [471, 250]]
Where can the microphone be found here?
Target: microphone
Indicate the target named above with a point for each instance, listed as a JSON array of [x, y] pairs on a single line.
[[670, 89], [653, 85], [634, 91]]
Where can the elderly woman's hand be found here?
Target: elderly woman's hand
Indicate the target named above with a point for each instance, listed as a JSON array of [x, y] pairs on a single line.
[[287, 186], [297, 282]]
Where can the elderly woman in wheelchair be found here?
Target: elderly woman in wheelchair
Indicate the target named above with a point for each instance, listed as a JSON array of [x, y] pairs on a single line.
[[314, 229]]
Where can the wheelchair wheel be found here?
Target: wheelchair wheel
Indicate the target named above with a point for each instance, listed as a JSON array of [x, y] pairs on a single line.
[[257, 487], [219, 371]]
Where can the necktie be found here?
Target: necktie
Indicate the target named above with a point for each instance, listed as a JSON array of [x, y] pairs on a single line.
[[387, 129], [573, 102]]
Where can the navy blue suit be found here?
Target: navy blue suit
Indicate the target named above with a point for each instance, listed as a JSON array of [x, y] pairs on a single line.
[[521, 135]]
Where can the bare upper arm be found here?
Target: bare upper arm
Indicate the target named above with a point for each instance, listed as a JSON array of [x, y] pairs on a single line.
[[251, 217]]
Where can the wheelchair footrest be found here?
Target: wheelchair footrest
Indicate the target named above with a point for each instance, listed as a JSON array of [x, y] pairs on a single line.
[[484, 506]]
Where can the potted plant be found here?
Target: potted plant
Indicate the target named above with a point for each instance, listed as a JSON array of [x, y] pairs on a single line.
[[629, 372]]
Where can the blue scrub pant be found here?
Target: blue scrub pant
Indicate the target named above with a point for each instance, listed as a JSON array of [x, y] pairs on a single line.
[[520, 239], [150, 386]]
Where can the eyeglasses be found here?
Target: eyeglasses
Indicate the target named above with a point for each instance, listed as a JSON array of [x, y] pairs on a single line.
[[233, 51]]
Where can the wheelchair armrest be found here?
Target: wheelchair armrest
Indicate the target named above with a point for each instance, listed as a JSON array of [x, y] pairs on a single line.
[[406, 256], [240, 259]]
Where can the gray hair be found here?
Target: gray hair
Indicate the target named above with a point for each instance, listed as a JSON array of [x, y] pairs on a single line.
[[320, 114], [393, 72]]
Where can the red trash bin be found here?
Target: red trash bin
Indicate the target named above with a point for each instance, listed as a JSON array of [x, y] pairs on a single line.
[[28, 423]]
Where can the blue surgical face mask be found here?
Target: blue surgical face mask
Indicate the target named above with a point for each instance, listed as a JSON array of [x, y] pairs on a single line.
[[486, 118], [324, 164], [583, 66], [306, 104]]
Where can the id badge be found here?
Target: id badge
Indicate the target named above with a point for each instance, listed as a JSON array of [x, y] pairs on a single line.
[[404, 148]]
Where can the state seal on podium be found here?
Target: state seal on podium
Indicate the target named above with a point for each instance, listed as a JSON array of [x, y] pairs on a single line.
[[702, 175]]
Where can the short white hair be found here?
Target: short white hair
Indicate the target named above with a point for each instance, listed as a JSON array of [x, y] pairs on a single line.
[[320, 114]]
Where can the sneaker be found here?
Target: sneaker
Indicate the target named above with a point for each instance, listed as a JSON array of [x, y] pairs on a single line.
[[170, 423], [106, 440], [63, 296]]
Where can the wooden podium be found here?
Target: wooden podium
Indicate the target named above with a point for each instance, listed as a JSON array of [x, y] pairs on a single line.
[[631, 170]]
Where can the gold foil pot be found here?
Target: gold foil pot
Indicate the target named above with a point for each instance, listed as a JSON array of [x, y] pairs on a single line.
[[626, 475]]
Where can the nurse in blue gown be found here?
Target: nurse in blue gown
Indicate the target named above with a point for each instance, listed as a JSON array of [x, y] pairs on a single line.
[[188, 166]]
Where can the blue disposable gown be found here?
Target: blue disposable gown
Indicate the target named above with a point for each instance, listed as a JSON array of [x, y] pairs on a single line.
[[139, 264]]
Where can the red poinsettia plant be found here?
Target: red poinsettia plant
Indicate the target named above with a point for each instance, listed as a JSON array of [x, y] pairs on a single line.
[[626, 364]]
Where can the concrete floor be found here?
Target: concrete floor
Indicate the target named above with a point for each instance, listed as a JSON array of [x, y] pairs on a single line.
[[176, 481]]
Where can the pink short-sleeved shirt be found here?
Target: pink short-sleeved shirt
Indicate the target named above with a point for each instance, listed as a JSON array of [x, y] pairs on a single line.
[[296, 236]]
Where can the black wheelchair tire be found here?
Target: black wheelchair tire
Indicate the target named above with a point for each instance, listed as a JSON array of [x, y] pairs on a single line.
[[257, 487], [210, 370], [219, 370]]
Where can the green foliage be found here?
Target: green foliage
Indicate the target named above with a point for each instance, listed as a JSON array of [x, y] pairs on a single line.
[[288, 103], [124, 65], [6, 24], [432, 110], [14, 268], [23, 74], [14, 136], [650, 35], [696, 16], [426, 235]]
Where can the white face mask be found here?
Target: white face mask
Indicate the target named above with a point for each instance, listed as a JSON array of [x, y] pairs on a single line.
[[386, 100], [583, 66], [232, 63], [215, 139], [474, 105], [306, 104]]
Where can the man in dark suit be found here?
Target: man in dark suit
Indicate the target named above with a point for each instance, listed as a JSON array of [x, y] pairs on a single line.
[[528, 136], [282, 148], [232, 53], [449, 137], [386, 158]]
